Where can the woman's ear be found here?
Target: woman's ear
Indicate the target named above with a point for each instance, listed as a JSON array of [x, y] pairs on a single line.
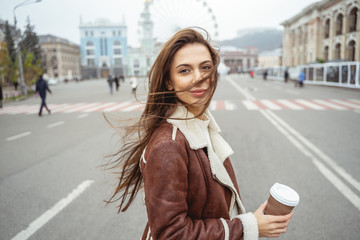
[[169, 85]]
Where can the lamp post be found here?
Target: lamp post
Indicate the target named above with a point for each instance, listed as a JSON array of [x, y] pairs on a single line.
[[22, 82]]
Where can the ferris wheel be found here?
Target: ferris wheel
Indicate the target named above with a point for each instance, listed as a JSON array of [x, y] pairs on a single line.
[[169, 16]]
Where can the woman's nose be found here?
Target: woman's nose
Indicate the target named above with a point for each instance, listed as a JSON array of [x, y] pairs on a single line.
[[197, 76]]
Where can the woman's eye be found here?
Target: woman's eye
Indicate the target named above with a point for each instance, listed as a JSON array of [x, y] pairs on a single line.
[[207, 67], [184, 70]]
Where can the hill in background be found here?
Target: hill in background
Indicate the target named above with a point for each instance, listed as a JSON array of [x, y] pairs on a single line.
[[264, 39]]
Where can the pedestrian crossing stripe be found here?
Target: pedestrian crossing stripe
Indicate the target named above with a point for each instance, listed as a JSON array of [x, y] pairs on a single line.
[[303, 104], [215, 105], [128, 106]]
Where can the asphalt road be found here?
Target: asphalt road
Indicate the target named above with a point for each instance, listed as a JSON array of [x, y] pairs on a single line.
[[52, 185]]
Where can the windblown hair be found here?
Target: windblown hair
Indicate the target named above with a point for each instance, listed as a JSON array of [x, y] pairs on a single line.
[[160, 104]]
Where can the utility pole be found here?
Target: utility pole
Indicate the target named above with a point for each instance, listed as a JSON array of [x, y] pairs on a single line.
[[22, 82]]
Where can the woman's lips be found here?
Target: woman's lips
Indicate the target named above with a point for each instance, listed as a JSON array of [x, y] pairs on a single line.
[[198, 92]]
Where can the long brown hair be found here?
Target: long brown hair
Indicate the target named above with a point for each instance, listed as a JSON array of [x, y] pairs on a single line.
[[160, 104]]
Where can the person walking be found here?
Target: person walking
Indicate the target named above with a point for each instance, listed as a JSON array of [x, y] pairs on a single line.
[[175, 151], [110, 81], [301, 79], [286, 75], [265, 74], [117, 83], [41, 89], [1, 96], [133, 82]]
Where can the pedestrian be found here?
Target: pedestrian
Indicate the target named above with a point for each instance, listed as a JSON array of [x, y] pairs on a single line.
[[265, 73], [41, 88], [133, 82], [1, 96], [301, 79], [122, 78], [117, 83], [286, 75], [110, 81], [176, 153], [252, 74]]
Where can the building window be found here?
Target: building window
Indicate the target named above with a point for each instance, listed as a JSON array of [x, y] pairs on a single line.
[[353, 20], [136, 63], [117, 43], [338, 51], [119, 33], [89, 43], [117, 61], [117, 51], [114, 33], [91, 62], [327, 29], [101, 47], [90, 52], [86, 33], [351, 50], [106, 52], [91, 33], [326, 53], [339, 24]]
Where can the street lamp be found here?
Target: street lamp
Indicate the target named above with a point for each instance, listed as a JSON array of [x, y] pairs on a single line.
[[22, 82]]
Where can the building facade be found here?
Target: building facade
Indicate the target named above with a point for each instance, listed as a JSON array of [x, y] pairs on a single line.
[[239, 60], [103, 48], [269, 59], [141, 59], [326, 31], [60, 58]]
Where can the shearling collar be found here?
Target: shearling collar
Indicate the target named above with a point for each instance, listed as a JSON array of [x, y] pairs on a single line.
[[191, 128], [221, 150]]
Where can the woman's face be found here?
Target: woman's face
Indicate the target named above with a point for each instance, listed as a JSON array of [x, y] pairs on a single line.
[[189, 65]]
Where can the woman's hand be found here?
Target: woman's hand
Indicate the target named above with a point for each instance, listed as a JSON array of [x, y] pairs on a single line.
[[269, 225]]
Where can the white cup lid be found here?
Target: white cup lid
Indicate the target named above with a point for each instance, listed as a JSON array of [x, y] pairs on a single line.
[[285, 194]]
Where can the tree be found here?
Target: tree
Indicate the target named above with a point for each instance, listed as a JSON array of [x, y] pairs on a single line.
[[8, 68], [31, 67], [10, 42], [30, 42]]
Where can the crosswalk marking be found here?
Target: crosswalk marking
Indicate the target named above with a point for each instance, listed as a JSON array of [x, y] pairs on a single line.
[[302, 104], [215, 105]]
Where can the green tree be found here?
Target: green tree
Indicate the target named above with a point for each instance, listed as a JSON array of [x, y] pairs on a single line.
[[30, 42], [8, 68], [31, 67], [10, 42]]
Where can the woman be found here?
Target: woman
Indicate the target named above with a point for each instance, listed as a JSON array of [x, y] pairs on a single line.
[[180, 158]]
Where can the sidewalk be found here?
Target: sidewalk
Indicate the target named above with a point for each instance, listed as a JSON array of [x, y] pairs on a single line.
[[9, 92]]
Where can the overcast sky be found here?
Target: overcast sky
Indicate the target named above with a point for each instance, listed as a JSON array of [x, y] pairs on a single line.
[[62, 17]]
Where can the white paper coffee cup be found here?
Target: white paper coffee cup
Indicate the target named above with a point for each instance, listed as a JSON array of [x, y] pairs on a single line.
[[282, 200]]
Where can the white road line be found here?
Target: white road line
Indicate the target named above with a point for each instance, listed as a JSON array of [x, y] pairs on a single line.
[[290, 105], [309, 104], [329, 104], [355, 100], [117, 106], [270, 105], [83, 115], [133, 107], [49, 214], [247, 95], [332, 178], [320, 154], [250, 105], [229, 106], [100, 106], [24, 134], [352, 105], [55, 124], [300, 142]]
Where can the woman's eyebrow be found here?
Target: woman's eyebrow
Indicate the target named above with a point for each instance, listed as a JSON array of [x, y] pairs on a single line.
[[187, 65]]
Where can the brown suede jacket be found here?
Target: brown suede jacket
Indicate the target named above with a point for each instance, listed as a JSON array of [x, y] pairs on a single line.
[[190, 188]]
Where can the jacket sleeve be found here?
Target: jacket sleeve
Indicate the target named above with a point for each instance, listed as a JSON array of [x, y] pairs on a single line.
[[165, 177]]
